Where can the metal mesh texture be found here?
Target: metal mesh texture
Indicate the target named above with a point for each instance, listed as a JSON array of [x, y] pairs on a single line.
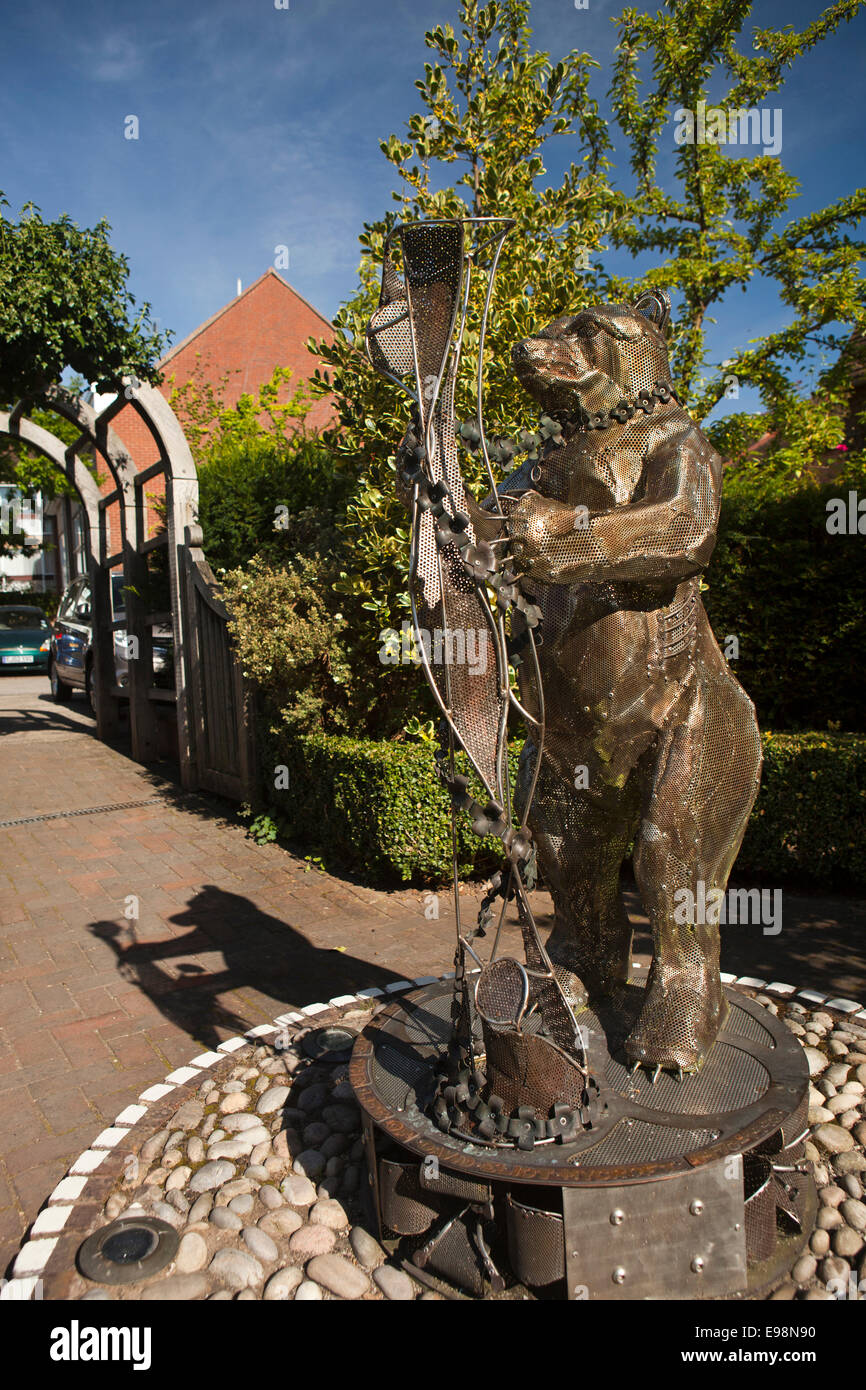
[[745, 1025], [729, 1080], [760, 1207], [446, 599], [536, 1247], [788, 1145], [406, 1208], [638, 1141], [713, 1104], [795, 1131], [448, 1184], [453, 1255], [390, 338], [502, 991], [398, 1073], [649, 736], [527, 1070]]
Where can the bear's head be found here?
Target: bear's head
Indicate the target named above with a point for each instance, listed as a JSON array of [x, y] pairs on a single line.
[[592, 359]]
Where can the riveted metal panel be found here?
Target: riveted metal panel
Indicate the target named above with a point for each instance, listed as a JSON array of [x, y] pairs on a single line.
[[681, 1237]]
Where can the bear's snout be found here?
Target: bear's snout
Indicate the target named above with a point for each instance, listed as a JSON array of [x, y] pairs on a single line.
[[551, 358], [521, 352], [531, 355], [525, 360]]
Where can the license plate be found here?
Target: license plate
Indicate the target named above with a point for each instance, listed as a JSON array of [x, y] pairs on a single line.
[[17, 660]]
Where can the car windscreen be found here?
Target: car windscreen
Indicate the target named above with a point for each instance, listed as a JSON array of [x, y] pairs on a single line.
[[69, 599], [14, 619]]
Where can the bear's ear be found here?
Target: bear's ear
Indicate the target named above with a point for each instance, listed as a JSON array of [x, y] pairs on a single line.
[[655, 305]]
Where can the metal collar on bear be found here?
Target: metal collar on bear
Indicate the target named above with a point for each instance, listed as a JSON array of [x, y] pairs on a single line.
[[580, 420]]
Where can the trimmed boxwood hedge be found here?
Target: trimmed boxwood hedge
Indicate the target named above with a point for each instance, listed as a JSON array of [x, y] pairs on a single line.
[[809, 822], [379, 809], [792, 594]]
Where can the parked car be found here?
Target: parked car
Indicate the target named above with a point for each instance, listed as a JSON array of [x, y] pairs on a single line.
[[71, 656], [25, 638]]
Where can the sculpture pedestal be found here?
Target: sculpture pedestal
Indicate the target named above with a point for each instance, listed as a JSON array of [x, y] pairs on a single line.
[[680, 1190]]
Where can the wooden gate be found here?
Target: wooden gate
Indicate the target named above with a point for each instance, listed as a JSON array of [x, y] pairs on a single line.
[[220, 701]]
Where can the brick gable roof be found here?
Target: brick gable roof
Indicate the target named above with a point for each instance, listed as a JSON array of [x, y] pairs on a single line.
[[264, 327]]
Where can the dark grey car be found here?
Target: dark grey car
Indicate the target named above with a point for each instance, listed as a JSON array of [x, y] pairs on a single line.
[[71, 661]]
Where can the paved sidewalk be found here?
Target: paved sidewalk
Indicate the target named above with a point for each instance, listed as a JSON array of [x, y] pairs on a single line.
[[131, 939], [96, 1005]]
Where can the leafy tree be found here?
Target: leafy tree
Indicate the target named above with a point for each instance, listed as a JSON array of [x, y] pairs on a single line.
[[258, 469], [728, 222], [64, 302], [210, 425], [31, 472], [492, 107]]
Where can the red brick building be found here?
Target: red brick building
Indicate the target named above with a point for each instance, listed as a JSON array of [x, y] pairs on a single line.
[[264, 327], [235, 351]]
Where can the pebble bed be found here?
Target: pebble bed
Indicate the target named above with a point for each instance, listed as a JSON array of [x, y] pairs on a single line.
[[262, 1174], [261, 1177], [836, 1053]]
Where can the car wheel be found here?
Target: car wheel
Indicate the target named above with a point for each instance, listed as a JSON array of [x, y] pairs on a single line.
[[61, 692], [90, 689]]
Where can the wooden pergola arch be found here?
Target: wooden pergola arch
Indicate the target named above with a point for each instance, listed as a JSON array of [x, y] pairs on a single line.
[[175, 464]]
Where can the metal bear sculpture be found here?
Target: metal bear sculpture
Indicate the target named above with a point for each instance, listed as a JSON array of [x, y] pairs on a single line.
[[649, 738]]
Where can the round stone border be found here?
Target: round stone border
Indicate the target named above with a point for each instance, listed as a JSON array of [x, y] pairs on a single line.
[[45, 1264]]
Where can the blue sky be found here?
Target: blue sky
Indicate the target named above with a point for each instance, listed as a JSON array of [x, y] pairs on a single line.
[[260, 127]]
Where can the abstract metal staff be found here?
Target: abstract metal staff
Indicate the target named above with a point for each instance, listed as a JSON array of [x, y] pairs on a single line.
[[418, 330]]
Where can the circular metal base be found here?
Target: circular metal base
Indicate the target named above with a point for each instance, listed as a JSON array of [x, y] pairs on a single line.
[[335, 1043], [127, 1250], [723, 1145]]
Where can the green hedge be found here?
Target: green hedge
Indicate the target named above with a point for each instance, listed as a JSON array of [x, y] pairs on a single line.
[[32, 598], [375, 807], [792, 594], [379, 809], [809, 822]]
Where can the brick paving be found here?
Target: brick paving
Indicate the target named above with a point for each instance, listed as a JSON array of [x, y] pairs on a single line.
[[132, 939]]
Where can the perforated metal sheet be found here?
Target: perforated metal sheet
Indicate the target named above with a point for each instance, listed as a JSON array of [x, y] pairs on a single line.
[[391, 339], [502, 992], [746, 1025], [399, 1074], [611, 531], [536, 1244], [445, 593], [529, 1071], [731, 1079], [638, 1142], [393, 1071]]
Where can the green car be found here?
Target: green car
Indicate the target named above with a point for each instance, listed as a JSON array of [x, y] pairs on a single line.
[[25, 639]]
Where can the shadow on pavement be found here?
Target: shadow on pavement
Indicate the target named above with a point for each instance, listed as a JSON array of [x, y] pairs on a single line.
[[821, 944], [28, 718], [250, 950]]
